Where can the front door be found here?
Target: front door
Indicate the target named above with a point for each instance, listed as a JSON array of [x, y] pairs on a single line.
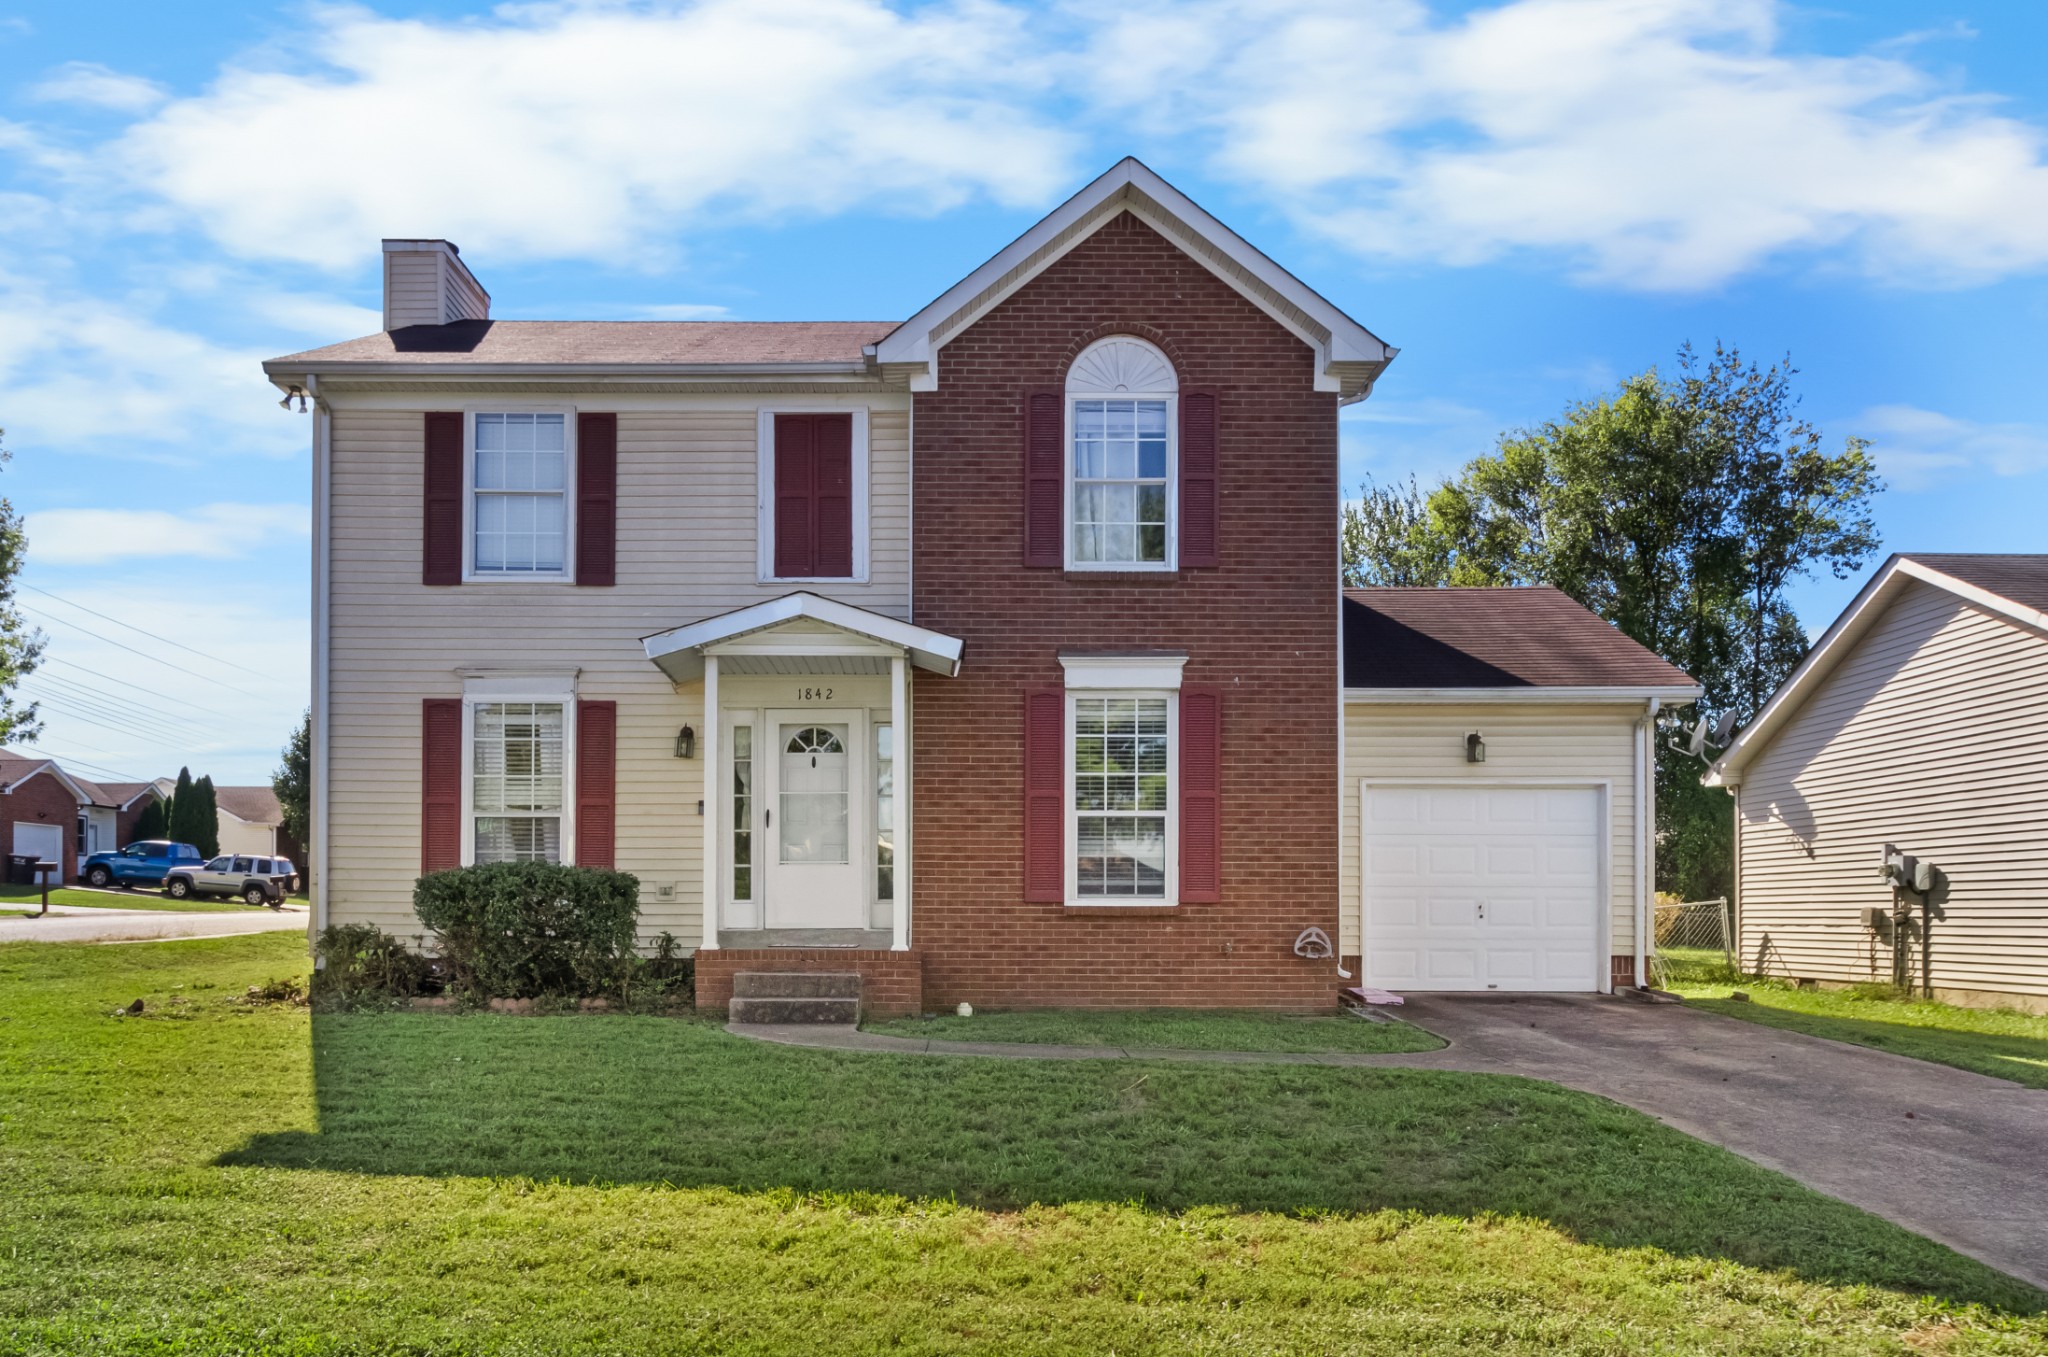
[[816, 820]]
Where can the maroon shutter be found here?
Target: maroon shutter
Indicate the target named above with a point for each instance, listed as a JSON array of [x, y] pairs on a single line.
[[1045, 437], [1201, 823], [441, 540], [795, 458], [832, 492], [597, 499], [440, 783], [1198, 501], [597, 740], [1045, 796]]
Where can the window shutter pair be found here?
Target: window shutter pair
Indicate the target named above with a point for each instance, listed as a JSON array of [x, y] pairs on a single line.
[[1045, 464], [1045, 795], [597, 738], [595, 493], [813, 512]]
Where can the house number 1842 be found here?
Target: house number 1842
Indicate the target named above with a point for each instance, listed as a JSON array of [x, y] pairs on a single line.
[[814, 694]]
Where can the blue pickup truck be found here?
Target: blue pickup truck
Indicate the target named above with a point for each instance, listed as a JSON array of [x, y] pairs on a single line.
[[139, 864]]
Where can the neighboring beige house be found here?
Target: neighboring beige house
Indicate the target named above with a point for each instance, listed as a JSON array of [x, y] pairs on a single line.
[[1497, 742], [1920, 719], [251, 821]]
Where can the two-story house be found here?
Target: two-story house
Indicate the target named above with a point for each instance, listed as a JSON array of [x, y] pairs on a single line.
[[993, 654]]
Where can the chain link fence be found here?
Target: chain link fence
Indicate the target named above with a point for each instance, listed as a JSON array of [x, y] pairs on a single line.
[[1695, 941]]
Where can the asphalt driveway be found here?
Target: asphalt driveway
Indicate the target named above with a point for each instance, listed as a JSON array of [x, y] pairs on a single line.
[[1959, 1157]]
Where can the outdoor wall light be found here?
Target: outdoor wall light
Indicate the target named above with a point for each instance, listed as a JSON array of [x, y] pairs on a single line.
[[686, 743], [1475, 748]]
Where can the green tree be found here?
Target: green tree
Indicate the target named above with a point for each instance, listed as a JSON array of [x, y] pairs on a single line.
[[153, 823], [207, 817], [293, 783], [1680, 509], [186, 815], [21, 646]]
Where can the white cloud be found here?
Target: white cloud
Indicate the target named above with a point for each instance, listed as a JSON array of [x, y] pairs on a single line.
[[94, 85], [1390, 439], [210, 531], [1915, 447], [680, 311], [1653, 144], [552, 131]]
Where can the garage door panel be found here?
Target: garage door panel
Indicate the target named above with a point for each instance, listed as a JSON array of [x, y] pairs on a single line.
[[1530, 857]]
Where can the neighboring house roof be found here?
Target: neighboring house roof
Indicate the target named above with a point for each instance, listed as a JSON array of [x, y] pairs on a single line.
[[254, 805], [2010, 586], [122, 795], [17, 768], [1508, 642], [1349, 357], [604, 343]]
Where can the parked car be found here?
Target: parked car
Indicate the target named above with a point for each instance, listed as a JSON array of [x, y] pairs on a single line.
[[256, 879], [139, 864]]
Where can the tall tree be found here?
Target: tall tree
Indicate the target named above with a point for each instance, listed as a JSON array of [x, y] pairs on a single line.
[[1679, 509], [293, 782], [187, 816], [152, 823], [207, 818], [21, 646]]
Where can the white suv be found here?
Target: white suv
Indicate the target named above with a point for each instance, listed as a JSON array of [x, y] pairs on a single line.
[[258, 880]]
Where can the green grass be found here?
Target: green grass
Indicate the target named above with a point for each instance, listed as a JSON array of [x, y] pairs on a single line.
[[1185, 1029], [32, 897], [1998, 1042], [218, 1177]]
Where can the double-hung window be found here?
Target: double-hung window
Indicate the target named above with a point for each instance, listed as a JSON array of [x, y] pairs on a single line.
[[519, 494], [1121, 457], [1122, 805], [517, 781]]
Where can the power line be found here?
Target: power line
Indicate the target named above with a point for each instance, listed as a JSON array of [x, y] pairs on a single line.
[[131, 731], [114, 773], [73, 705], [154, 659], [118, 703], [150, 634], [152, 693]]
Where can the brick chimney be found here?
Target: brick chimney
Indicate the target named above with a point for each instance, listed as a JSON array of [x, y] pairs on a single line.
[[426, 283]]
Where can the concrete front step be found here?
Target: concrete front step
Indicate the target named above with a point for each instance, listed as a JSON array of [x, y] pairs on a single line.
[[810, 1011], [796, 985]]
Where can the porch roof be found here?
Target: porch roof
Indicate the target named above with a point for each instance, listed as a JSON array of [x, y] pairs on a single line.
[[680, 653]]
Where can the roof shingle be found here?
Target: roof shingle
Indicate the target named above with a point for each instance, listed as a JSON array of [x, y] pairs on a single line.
[[1490, 638], [604, 342], [2023, 579]]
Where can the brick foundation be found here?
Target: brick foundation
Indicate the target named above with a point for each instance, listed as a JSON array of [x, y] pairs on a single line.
[[1622, 970], [892, 983]]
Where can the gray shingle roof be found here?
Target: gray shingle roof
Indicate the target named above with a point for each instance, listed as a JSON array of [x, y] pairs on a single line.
[[2021, 578], [603, 342], [1490, 638]]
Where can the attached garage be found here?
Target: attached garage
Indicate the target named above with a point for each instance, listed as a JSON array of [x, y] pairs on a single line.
[[1496, 779]]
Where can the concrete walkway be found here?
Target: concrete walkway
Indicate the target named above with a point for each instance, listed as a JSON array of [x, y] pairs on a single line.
[[80, 923], [1958, 1157]]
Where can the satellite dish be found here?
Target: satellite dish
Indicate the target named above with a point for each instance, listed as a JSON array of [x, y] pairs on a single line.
[[1703, 735]]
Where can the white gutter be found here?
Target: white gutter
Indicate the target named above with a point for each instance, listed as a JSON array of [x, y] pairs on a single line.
[[1646, 834], [1676, 695], [323, 559]]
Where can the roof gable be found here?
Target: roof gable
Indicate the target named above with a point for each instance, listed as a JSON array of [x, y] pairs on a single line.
[[1349, 357]]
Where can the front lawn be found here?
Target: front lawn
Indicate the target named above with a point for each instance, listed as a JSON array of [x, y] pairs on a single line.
[[1185, 1029], [217, 1176], [30, 898], [1998, 1042]]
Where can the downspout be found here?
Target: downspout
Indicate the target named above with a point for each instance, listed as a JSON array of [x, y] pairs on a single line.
[[1646, 833], [323, 560]]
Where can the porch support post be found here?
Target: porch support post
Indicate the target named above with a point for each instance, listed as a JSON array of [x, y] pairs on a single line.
[[899, 730], [709, 746]]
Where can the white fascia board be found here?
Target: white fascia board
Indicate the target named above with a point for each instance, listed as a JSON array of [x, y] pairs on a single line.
[[680, 653], [1838, 640], [1396, 697], [1160, 672], [287, 375], [1349, 341]]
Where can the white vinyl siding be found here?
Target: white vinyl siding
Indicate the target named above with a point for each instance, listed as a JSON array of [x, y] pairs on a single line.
[[1561, 744], [1931, 734], [686, 551], [412, 288]]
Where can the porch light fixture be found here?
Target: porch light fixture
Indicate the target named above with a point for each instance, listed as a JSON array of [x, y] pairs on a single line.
[[686, 743], [1475, 748]]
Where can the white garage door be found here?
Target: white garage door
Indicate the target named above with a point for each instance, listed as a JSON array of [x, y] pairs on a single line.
[[45, 841], [1482, 888]]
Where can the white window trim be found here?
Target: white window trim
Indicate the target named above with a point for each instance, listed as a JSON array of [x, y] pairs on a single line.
[[1172, 399], [478, 692], [1149, 672], [1071, 816], [470, 574], [764, 493]]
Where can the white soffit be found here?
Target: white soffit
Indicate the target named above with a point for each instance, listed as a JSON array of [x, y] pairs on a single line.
[[1348, 356], [680, 653]]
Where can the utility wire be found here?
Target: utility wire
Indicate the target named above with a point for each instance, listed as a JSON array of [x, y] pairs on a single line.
[[154, 659], [152, 693], [118, 703], [104, 617], [114, 773], [135, 725]]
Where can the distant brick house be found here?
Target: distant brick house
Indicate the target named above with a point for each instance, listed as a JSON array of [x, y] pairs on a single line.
[[993, 654], [62, 817]]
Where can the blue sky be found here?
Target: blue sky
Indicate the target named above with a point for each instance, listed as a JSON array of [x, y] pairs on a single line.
[[1531, 199]]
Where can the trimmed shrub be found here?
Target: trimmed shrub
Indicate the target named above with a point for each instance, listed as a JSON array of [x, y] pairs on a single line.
[[362, 961], [526, 930]]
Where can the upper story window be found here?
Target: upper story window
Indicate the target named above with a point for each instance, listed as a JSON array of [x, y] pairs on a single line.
[[1121, 457], [519, 494]]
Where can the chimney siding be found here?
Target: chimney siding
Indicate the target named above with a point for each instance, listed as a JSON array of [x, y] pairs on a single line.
[[426, 283]]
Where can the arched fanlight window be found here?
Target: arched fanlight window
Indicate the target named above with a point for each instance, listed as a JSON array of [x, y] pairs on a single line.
[[1121, 457]]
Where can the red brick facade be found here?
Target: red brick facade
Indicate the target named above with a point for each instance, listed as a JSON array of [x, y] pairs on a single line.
[[43, 800], [124, 821], [1261, 627], [892, 983]]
